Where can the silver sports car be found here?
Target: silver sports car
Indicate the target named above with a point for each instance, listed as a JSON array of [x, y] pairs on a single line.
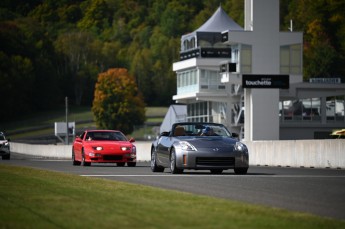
[[199, 146]]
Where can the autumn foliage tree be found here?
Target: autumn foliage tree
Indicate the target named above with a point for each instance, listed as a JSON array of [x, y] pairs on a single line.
[[117, 102]]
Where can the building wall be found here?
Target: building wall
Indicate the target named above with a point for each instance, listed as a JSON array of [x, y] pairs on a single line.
[[263, 114], [262, 104]]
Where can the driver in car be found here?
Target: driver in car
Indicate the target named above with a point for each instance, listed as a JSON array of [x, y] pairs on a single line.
[[208, 131]]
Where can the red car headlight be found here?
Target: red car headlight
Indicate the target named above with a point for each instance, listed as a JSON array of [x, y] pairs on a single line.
[[95, 154], [125, 148], [98, 148]]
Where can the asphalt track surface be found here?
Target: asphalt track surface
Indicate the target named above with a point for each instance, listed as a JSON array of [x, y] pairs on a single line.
[[315, 191]]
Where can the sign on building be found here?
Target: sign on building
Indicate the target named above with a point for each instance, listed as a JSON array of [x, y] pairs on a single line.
[[265, 81], [325, 80], [60, 130]]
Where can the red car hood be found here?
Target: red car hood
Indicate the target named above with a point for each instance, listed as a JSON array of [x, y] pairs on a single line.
[[109, 144]]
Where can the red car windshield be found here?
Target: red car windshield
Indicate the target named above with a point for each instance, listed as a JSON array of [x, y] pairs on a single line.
[[105, 136]]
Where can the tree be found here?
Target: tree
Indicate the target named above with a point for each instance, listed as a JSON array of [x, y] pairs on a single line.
[[80, 51], [97, 16], [117, 102], [323, 24], [320, 55]]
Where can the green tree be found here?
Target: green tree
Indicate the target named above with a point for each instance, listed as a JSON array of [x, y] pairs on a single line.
[[117, 102], [165, 50], [320, 55], [323, 24], [97, 16], [81, 51], [16, 80], [27, 73]]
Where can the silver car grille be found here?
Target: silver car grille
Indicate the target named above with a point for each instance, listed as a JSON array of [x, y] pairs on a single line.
[[215, 161]]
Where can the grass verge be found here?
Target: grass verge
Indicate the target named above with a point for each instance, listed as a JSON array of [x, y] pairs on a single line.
[[31, 198]]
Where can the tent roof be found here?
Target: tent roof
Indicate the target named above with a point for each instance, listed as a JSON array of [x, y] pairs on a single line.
[[219, 22]]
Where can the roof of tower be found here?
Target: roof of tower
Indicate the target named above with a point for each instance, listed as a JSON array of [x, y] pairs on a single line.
[[219, 22]]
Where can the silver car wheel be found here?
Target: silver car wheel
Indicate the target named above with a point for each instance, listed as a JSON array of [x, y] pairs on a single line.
[[154, 166], [173, 168], [153, 160]]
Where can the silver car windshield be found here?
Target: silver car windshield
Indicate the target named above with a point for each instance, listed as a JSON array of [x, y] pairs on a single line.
[[201, 129]]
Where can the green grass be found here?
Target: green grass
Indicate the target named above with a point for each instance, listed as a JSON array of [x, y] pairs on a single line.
[[31, 198]]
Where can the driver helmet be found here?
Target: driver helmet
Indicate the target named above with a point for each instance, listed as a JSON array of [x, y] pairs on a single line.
[[207, 130]]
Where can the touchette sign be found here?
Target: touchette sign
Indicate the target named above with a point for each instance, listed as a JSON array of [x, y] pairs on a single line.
[[265, 81]]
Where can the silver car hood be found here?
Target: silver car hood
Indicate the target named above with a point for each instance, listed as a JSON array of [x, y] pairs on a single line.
[[210, 142]]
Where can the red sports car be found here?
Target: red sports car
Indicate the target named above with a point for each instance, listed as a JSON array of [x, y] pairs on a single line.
[[103, 146]]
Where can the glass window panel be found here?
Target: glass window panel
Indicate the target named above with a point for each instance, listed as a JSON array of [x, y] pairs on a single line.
[[339, 107], [284, 70], [330, 108], [184, 79], [246, 57], [295, 56], [295, 70], [284, 56], [246, 69]]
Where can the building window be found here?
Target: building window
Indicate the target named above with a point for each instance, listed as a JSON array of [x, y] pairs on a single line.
[[199, 112], [246, 59], [210, 80], [291, 59], [187, 81], [234, 54], [335, 108], [310, 109]]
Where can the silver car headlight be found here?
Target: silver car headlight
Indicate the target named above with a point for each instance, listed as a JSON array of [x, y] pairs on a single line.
[[186, 146], [240, 147]]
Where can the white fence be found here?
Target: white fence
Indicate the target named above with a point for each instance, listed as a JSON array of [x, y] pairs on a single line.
[[298, 153], [65, 151]]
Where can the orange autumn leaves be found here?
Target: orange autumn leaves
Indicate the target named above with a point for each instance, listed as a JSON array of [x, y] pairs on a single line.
[[117, 102]]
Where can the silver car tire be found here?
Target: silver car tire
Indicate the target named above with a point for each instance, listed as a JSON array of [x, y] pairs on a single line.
[[154, 167], [173, 168]]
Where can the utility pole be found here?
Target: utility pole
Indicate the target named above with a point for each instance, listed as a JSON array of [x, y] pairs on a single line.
[[66, 102]]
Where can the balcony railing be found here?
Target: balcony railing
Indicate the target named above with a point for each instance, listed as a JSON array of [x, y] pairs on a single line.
[[206, 53]]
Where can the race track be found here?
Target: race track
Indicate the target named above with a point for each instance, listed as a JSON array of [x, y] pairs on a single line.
[[316, 191]]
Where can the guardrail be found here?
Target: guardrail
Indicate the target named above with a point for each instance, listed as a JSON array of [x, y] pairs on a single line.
[[65, 151], [328, 153]]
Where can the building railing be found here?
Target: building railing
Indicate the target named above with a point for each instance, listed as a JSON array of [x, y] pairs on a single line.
[[315, 119], [208, 52]]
